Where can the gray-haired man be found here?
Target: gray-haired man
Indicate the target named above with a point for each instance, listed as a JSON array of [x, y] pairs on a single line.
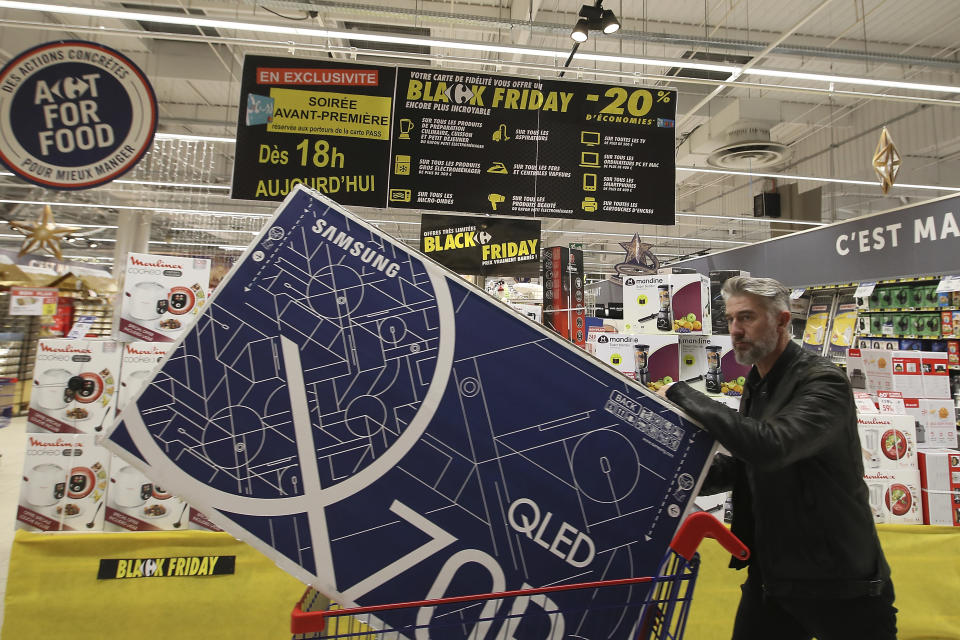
[[799, 500]]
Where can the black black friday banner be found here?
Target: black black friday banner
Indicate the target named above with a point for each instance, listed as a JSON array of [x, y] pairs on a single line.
[[482, 246], [415, 138]]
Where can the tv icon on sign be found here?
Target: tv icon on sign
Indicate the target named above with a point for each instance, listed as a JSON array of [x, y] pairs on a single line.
[[590, 138], [589, 159]]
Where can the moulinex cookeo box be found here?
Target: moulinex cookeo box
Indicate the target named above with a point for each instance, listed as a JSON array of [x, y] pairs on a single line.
[[138, 362], [134, 503], [64, 483], [161, 296], [74, 385]]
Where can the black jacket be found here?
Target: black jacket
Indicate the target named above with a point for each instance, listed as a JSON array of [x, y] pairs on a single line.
[[800, 502]]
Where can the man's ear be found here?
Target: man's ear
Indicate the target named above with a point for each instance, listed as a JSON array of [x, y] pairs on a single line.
[[783, 320]]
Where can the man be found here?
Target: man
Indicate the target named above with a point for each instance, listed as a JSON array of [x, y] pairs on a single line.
[[799, 499]]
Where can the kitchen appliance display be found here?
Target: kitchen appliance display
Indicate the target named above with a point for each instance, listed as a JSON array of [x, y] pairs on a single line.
[[664, 315], [74, 385], [640, 354], [161, 295], [135, 503], [64, 483], [714, 375], [140, 359]]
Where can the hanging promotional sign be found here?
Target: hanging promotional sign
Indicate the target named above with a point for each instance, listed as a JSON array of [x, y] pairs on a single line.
[[482, 246], [74, 114], [341, 404], [35, 301], [455, 141]]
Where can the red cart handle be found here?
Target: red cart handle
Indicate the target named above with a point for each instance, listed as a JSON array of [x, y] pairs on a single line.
[[702, 525]]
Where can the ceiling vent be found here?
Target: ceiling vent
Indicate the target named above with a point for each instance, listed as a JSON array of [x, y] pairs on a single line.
[[738, 137]]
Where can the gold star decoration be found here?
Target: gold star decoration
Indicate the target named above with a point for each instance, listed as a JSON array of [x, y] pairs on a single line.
[[44, 234], [886, 161], [635, 248], [639, 260]]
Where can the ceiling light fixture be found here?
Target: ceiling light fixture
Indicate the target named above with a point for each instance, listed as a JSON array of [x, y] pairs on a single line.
[[871, 183], [594, 18], [261, 28], [122, 207]]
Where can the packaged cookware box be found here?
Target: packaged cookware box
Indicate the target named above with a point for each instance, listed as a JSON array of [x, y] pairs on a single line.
[[895, 496], [161, 296], [138, 363], [940, 486], [64, 483], [135, 503], [74, 386]]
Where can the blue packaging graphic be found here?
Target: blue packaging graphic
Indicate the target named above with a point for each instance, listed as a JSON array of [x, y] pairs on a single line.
[[386, 432]]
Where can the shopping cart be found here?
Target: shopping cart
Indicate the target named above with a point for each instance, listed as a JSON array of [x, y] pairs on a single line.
[[648, 607], [7, 388]]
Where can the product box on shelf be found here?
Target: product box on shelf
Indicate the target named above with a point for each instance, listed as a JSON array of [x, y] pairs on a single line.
[[717, 306], [816, 328], [64, 483], [907, 373], [138, 362], [953, 352], [940, 486], [134, 503], [646, 304], [725, 376], [888, 444], [936, 374], [563, 295], [887, 441], [843, 324], [651, 360], [74, 385], [690, 303], [693, 361], [938, 419], [161, 296], [878, 367], [200, 522], [856, 369]]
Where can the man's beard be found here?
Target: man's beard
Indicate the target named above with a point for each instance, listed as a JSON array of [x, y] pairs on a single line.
[[759, 349]]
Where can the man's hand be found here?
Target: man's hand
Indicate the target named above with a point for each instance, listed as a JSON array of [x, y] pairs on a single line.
[[662, 391]]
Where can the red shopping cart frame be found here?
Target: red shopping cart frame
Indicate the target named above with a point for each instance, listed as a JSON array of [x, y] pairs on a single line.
[[664, 611]]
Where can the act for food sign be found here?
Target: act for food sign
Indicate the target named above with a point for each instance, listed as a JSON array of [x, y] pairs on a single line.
[[74, 115]]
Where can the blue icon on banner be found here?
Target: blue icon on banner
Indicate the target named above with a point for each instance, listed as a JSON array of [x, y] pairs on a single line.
[[259, 109]]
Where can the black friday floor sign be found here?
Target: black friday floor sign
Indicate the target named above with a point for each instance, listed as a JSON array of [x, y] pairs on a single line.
[[386, 432]]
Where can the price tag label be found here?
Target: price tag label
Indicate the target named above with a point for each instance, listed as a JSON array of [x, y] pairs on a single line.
[[948, 283], [33, 301], [796, 293], [864, 289], [864, 402], [891, 402], [81, 327]]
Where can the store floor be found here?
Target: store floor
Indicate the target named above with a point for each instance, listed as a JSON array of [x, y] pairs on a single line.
[[12, 443]]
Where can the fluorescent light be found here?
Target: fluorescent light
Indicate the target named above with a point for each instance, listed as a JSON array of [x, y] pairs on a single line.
[[200, 244], [630, 235], [121, 207], [186, 185], [871, 183], [186, 136], [749, 219], [261, 28], [253, 233]]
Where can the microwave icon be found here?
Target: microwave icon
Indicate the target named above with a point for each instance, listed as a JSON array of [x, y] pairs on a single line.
[[400, 195]]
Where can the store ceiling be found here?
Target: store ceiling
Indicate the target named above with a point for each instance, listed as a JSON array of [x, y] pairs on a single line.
[[809, 131]]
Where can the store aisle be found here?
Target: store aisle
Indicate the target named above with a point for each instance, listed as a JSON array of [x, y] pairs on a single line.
[[12, 442]]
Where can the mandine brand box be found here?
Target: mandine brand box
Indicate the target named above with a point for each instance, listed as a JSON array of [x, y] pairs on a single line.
[[362, 422], [725, 376], [646, 304], [64, 483], [717, 306], [74, 386], [940, 486], [161, 296]]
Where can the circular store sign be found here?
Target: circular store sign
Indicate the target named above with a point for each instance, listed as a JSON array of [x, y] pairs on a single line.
[[74, 115]]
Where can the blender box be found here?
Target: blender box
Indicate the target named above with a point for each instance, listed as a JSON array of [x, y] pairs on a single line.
[[161, 295], [139, 359], [725, 376], [74, 385], [887, 441], [693, 361], [940, 486], [894, 495], [938, 419], [646, 304], [690, 303], [64, 483], [936, 374], [651, 360], [134, 503]]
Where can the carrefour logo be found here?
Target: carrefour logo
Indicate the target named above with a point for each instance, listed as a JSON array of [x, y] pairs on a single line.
[[74, 115]]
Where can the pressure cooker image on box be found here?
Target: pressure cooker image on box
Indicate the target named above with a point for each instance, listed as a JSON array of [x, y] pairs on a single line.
[[74, 387], [161, 295], [45, 484]]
